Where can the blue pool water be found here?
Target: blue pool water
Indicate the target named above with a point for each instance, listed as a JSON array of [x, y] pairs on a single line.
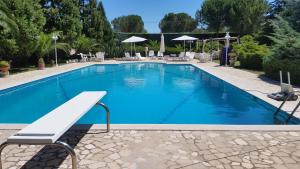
[[139, 93]]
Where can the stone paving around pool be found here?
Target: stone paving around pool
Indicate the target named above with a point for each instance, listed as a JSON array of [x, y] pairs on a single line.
[[135, 149]]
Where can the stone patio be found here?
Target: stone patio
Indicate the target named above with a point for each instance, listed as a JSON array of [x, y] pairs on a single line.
[[140, 149]]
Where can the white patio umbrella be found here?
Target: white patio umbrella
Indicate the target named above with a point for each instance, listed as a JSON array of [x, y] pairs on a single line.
[[133, 39], [162, 48], [185, 38]]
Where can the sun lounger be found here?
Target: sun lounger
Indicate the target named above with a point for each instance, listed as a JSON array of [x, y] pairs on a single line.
[[179, 58], [138, 55], [49, 128], [129, 58]]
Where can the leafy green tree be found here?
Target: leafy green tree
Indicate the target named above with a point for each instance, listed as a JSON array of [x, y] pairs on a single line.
[[93, 21], [285, 51], [153, 45], [288, 10], [246, 16], [241, 16], [8, 28], [85, 45], [286, 41], [63, 16], [213, 13], [129, 24], [7, 22], [180, 22], [29, 17]]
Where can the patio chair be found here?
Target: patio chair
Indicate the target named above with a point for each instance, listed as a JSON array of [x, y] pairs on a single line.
[[83, 57], [92, 57], [100, 56], [48, 129]]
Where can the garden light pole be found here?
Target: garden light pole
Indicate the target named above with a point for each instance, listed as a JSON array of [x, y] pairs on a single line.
[[55, 37], [227, 38]]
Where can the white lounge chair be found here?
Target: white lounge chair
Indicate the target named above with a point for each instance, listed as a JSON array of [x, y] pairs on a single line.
[[160, 55], [49, 128], [138, 55], [151, 53], [204, 57], [179, 58], [129, 58], [190, 57], [187, 53]]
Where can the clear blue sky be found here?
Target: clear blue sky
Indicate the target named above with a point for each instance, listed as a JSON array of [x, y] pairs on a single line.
[[152, 11]]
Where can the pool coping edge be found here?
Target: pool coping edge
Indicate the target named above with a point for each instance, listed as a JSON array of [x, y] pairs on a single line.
[[213, 127]]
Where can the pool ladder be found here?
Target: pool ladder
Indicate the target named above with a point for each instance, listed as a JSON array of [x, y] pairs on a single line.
[[290, 116]]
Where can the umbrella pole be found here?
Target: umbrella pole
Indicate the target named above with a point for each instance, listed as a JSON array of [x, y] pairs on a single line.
[[134, 49], [131, 49], [184, 46]]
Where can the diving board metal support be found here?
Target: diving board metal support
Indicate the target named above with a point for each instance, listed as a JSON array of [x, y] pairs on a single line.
[[61, 144], [107, 115]]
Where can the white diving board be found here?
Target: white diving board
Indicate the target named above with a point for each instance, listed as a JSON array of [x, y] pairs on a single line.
[[49, 128]]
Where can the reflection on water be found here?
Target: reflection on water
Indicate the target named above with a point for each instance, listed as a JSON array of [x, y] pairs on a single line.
[[133, 82]]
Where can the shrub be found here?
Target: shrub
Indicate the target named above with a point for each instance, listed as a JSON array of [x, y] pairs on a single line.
[[285, 54], [250, 53], [273, 66]]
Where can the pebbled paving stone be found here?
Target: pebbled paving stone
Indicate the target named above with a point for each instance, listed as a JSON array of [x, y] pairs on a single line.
[[135, 149]]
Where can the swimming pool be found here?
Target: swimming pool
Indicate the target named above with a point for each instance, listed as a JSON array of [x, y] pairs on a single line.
[[139, 93]]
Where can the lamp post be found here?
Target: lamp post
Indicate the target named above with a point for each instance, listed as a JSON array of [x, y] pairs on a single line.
[[55, 37], [227, 38]]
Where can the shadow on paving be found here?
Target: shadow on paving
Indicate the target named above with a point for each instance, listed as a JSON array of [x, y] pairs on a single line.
[[52, 156]]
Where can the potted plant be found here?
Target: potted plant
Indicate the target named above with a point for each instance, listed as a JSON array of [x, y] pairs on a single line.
[[4, 68], [41, 64]]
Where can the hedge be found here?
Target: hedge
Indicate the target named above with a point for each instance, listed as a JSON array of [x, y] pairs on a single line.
[[273, 66]]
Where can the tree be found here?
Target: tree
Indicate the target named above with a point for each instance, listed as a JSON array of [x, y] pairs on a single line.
[[241, 16], [63, 16], [29, 17], [246, 17], [213, 13], [180, 22], [288, 10], [129, 24], [7, 22], [93, 22]]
